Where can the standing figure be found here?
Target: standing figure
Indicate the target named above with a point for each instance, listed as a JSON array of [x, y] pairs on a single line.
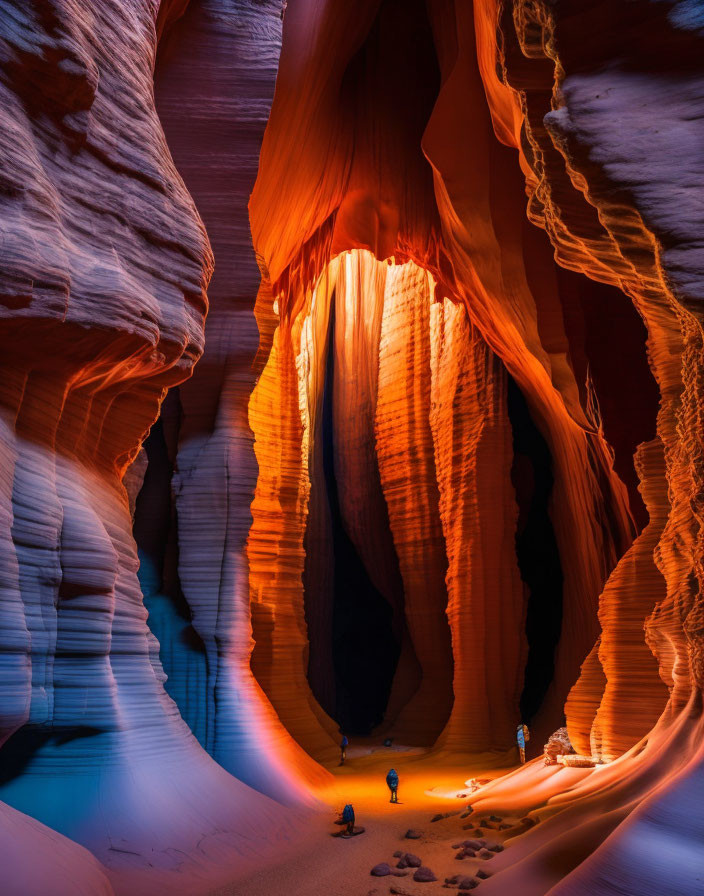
[[348, 818], [343, 749], [522, 735], [392, 784]]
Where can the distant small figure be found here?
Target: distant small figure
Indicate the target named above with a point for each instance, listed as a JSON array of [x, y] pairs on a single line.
[[392, 784], [388, 741], [344, 743], [348, 818], [522, 736]]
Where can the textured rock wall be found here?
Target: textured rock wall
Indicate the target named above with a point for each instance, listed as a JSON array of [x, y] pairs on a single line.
[[599, 127], [486, 598], [464, 224], [404, 439], [214, 83], [504, 272], [579, 156], [436, 417], [282, 413], [102, 303]]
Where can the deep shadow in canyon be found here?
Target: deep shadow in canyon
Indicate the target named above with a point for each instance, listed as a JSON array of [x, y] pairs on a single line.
[[364, 640]]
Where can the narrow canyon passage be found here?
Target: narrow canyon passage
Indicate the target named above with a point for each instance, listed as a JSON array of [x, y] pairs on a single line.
[[351, 383]]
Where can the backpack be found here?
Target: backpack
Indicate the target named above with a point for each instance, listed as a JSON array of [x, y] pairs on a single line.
[[348, 813]]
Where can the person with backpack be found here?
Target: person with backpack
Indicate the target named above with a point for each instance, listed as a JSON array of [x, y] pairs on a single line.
[[348, 818], [392, 784], [344, 743], [522, 735]]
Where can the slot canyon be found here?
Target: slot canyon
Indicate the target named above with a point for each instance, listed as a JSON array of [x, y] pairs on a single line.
[[351, 419]]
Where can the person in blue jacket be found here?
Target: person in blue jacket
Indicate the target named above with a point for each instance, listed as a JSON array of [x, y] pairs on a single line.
[[348, 818], [343, 749], [392, 784], [522, 735]]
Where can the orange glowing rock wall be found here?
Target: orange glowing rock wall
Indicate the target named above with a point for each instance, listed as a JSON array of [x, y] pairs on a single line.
[[281, 413], [466, 225], [610, 214], [434, 419], [486, 606], [573, 89], [407, 469]]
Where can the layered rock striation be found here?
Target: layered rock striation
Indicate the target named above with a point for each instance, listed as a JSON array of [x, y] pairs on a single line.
[[105, 263], [464, 215]]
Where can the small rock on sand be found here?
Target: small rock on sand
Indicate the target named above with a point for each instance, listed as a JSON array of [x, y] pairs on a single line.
[[424, 875], [486, 854], [468, 883], [412, 861], [470, 844], [497, 847], [398, 854], [483, 875], [413, 835], [381, 870], [441, 815]]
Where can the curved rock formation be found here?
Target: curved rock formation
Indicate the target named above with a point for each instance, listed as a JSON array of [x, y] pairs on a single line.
[[216, 68], [104, 269], [475, 298]]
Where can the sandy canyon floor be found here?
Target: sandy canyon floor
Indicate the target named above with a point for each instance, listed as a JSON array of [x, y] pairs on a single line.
[[430, 785]]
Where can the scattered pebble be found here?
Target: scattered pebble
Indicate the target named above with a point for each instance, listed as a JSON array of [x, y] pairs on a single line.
[[424, 875], [485, 854], [495, 818], [441, 815], [381, 870], [413, 835], [497, 847], [468, 883], [398, 854], [483, 875]]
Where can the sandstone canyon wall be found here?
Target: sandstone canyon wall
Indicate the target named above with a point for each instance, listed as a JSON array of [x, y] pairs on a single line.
[[105, 264], [461, 214]]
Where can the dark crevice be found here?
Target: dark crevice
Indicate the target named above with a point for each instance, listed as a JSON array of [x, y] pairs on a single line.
[[181, 649], [365, 648], [536, 550]]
